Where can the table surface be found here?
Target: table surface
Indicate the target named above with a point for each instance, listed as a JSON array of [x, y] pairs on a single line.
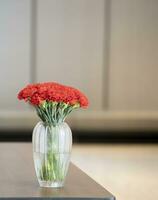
[[18, 179]]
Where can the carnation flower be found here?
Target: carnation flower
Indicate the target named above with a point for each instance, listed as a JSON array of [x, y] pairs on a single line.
[[53, 101]]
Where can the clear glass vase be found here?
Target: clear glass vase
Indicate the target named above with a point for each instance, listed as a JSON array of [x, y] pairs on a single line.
[[51, 152]]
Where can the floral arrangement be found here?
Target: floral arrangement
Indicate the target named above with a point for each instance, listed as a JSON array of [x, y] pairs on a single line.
[[53, 101]]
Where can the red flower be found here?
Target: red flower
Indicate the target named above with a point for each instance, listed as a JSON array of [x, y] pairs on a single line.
[[37, 93]]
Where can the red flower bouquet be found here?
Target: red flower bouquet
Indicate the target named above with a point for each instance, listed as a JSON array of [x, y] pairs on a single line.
[[52, 137], [53, 101]]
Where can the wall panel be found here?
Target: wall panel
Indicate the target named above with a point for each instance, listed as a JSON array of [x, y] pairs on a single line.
[[70, 44], [14, 51], [133, 60]]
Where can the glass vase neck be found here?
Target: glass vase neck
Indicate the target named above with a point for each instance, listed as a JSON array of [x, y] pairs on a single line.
[[50, 124]]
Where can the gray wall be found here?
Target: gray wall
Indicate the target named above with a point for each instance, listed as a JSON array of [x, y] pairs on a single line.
[[106, 48]]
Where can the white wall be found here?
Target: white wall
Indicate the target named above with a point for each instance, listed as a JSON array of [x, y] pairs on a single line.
[[14, 51], [133, 60], [70, 44], [106, 48]]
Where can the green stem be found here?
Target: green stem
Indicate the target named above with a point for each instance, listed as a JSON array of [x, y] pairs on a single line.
[[54, 113], [51, 169]]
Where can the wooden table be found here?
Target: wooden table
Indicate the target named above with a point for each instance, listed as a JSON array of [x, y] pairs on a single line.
[[18, 180]]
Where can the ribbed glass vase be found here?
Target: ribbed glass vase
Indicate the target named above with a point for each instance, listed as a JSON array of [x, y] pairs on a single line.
[[51, 152]]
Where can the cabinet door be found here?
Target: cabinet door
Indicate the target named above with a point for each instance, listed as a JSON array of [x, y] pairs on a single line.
[[14, 51], [70, 45]]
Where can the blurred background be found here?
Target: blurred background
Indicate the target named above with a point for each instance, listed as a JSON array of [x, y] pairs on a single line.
[[109, 50]]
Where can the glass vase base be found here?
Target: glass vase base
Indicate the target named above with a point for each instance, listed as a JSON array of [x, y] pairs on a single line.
[[49, 184]]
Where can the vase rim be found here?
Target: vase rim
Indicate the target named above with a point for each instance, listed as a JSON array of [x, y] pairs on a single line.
[[51, 124]]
